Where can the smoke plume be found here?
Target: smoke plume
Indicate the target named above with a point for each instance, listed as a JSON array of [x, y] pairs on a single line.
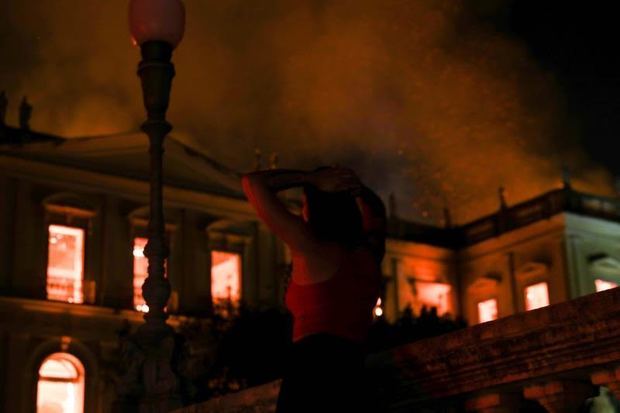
[[420, 97]]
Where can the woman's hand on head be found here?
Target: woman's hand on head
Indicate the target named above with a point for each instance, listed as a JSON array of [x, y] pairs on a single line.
[[335, 179]]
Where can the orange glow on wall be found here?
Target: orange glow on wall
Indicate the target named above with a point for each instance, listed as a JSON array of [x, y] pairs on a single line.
[[65, 264], [487, 310], [602, 285], [432, 294], [536, 296], [225, 277], [60, 388]]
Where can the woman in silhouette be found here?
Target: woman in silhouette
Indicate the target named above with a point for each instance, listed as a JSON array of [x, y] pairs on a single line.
[[337, 246]]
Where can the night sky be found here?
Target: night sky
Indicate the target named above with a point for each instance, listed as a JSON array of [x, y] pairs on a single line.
[[436, 101], [578, 44]]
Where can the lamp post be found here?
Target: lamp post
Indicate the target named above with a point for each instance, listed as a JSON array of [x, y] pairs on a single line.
[[150, 384]]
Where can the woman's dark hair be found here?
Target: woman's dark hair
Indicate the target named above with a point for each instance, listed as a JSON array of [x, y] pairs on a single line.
[[334, 216]]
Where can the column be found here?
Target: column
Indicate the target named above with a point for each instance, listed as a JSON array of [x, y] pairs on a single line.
[[116, 286], [577, 267], [7, 209], [30, 240]]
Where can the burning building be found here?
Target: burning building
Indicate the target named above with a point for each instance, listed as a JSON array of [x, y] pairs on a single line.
[[73, 216]]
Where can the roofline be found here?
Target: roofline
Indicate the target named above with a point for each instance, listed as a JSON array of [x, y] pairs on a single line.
[[508, 219], [10, 136]]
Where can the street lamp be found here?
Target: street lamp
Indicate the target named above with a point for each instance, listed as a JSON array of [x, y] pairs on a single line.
[[157, 27]]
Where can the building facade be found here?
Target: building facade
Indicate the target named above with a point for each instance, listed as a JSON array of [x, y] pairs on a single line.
[[73, 215], [73, 227], [556, 247]]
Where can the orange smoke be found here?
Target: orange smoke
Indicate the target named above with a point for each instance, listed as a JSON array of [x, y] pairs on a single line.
[[423, 100]]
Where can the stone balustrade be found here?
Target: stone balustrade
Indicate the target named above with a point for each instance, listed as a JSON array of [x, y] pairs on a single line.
[[260, 399], [552, 359]]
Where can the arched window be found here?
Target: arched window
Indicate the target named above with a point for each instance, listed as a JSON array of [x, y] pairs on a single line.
[[605, 270], [60, 387]]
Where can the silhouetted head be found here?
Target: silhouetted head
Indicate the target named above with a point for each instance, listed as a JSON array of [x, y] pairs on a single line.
[[333, 216]]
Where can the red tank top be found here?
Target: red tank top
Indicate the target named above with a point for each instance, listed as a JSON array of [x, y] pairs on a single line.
[[341, 305]]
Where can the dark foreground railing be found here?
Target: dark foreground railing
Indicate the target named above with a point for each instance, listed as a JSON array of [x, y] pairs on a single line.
[[553, 359]]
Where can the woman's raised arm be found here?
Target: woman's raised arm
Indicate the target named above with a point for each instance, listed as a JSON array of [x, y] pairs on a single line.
[[261, 188]]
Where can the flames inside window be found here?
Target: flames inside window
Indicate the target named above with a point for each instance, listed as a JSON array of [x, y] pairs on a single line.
[[60, 388], [65, 264], [225, 277], [431, 294], [140, 272], [536, 296], [602, 285], [487, 310]]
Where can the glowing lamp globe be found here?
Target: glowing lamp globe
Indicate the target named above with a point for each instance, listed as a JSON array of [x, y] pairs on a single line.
[[157, 20]]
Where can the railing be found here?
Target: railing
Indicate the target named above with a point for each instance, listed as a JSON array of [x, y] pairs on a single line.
[[70, 290], [539, 208], [554, 356], [64, 289], [552, 359]]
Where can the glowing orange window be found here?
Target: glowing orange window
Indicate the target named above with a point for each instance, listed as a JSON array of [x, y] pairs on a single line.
[[487, 310], [140, 272], [536, 296], [602, 285], [60, 388], [65, 264], [431, 294], [225, 277]]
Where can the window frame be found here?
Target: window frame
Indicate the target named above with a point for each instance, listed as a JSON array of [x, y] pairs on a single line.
[[606, 280], [482, 289], [59, 212], [524, 294], [417, 304], [224, 237], [478, 302], [604, 268], [530, 274], [77, 297], [80, 380], [233, 303]]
